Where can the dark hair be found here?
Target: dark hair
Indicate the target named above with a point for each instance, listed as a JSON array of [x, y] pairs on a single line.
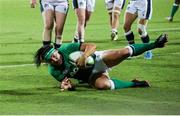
[[40, 53]]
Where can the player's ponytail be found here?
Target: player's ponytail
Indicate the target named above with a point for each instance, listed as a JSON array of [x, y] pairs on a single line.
[[39, 55]]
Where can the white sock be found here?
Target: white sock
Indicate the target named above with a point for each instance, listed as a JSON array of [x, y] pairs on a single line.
[[112, 84]]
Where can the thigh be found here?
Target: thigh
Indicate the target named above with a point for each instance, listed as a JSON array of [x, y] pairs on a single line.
[[81, 14], [129, 18], [60, 21], [61, 10], [115, 57], [47, 11], [79, 4], [88, 15], [48, 17]]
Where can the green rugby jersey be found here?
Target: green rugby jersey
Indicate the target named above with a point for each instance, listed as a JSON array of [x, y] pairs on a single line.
[[67, 69]]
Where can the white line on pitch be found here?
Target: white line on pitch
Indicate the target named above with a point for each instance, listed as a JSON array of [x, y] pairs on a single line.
[[12, 66], [24, 65], [164, 29]]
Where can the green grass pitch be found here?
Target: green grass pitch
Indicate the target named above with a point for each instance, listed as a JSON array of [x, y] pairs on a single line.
[[27, 90]]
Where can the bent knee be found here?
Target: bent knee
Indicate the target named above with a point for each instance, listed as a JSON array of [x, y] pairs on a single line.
[[125, 52], [102, 84], [49, 27]]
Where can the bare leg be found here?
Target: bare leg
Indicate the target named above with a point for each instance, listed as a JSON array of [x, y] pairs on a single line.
[[128, 21], [114, 21], [80, 23], [60, 21], [48, 18], [114, 57]]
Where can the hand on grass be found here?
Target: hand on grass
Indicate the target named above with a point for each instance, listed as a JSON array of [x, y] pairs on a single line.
[[66, 84]]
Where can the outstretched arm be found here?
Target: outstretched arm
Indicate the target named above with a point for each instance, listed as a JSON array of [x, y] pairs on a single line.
[[66, 84]]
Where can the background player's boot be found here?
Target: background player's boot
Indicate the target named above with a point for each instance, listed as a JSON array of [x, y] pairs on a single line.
[[114, 36], [170, 19], [75, 40]]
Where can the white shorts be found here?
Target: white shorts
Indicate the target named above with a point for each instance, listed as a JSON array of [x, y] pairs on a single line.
[[111, 4], [143, 8], [55, 5], [53, 1], [84, 4], [100, 66]]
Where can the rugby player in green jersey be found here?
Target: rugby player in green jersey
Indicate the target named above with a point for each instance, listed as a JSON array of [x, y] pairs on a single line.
[[60, 67]]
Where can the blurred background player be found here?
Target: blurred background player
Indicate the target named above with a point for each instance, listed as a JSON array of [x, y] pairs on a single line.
[[174, 9], [83, 10], [141, 9], [114, 8], [53, 12]]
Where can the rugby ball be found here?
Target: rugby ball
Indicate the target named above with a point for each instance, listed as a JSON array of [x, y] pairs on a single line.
[[74, 56]]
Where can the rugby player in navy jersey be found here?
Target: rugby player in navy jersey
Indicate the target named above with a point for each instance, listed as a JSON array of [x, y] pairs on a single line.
[[141, 10], [83, 10], [114, 8]]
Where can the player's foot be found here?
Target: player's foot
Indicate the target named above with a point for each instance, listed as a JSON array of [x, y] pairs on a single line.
[[170, 19], [114, 36], [138, 83], [81, 41], [148, 55], [161, 40], [75, 40]]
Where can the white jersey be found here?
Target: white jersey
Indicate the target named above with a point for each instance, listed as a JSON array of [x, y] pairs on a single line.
[[143, 8]]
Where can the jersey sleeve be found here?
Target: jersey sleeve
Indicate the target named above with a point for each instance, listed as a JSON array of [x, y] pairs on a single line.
[[71, 47], [57, 74]]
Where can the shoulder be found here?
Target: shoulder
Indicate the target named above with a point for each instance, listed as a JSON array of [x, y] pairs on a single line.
[[57, 73], [70, 46]]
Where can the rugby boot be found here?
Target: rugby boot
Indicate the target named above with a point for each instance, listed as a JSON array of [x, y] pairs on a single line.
[[138, 83], [161, 40], [114, 36], [170, 19]]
